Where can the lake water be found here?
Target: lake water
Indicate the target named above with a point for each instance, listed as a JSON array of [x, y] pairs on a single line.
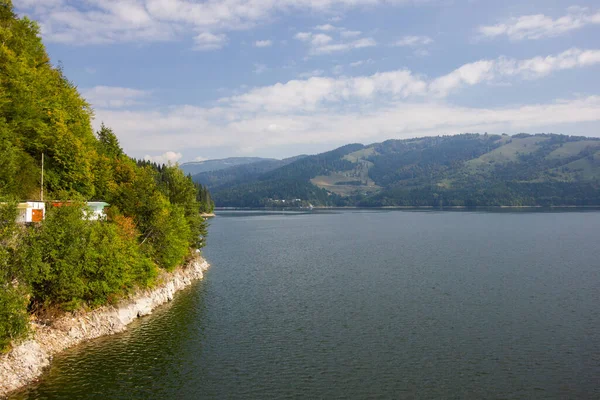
[[366, 304]]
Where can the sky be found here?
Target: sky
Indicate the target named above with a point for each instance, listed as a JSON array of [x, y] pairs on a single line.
[[185, 80]]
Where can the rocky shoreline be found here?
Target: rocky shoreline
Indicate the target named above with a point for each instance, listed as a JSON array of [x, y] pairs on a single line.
[[26, 361]]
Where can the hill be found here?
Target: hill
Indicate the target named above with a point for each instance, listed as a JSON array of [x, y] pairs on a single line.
[[228, 177], [461, 170], [196, 167], [67, 260]]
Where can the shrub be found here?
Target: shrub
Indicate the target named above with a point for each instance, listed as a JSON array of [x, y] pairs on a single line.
[[72, 261], [14, 321]]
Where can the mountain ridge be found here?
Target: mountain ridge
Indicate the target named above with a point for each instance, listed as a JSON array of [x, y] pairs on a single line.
[[460, 170], [196, 167]]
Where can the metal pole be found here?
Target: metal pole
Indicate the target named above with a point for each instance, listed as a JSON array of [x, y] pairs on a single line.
[[42, 185]]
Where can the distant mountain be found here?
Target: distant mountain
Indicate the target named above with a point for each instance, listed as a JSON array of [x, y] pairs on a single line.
[[461, 170], [228, 177], [196, 167]]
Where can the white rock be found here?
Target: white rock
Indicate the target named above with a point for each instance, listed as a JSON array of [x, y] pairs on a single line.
[[26, 361]]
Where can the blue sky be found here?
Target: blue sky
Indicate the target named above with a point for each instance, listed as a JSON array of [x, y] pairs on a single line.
[[180, 80]]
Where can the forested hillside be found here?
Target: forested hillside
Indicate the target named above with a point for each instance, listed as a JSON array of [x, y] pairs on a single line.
[[462, 170], [69, 261], [223, 178]]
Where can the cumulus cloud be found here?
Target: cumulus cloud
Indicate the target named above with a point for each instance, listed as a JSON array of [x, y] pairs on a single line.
[[112, 21], [147, 130], [209, 41], [263, 43], [315, 92], [326, 27], [361, 62], [321, 43], [533, 68], [413, 41], [309, 94], [350, 34], [168, 158], [309, 74], [114, 97], [540, 26], [366, 108]]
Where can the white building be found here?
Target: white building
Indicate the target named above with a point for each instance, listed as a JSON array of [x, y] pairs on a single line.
[[31, 211], [96, 210]]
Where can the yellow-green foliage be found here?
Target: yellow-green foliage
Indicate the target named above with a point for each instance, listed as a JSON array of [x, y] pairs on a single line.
[[13, 300], [41, 109], [14, 321], [68, 261]]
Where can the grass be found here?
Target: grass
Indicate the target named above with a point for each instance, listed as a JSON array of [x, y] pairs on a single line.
[[570, 149], [506, 153], [586, 168], [360, 154]]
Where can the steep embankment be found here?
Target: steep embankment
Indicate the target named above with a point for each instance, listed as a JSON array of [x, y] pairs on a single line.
[[27, 360]]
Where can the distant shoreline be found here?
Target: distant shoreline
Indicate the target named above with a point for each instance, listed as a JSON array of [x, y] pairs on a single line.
[[404, 208]]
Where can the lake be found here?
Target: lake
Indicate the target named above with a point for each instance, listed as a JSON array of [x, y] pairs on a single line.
[[360, 304]]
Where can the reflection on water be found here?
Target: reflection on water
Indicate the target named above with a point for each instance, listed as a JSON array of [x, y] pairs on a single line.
[[366, 304]]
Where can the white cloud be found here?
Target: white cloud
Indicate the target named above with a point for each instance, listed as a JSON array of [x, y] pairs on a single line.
[[361, 62], [146, 131], [539, 26], [209, 41], [114, 97], [309, 74], [112, 21], [490, 70], [413, 41], [320, 39], [309, 94], [168, 158], [321, 43], [263, 43], [326, 28], [350, 34], [362, 108]]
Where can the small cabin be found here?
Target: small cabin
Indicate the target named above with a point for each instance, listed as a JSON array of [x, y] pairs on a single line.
[[97, 210], [31, 211], [94, 211]]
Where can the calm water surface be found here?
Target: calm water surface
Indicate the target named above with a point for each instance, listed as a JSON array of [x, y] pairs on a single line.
[[366, 304]]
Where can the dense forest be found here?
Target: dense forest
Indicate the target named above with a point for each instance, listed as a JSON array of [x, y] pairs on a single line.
[[469, 170], [68, 261]]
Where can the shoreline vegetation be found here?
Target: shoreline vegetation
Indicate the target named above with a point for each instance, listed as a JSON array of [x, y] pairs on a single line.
[[317, 208], [72, 262], [28, 360]]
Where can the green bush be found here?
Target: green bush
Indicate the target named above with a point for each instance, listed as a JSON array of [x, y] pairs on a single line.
[[171, 238], [14, 319], [13, 300], [71, 261]]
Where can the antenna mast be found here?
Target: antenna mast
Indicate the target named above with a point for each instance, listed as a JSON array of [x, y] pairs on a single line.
[[42, 184]]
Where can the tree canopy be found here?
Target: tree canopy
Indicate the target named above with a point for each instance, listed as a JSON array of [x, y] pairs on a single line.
[[68, 261]]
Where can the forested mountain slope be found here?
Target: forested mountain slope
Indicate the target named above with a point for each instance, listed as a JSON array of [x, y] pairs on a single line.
[[222, 178], [69, 261], [460, 170]]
